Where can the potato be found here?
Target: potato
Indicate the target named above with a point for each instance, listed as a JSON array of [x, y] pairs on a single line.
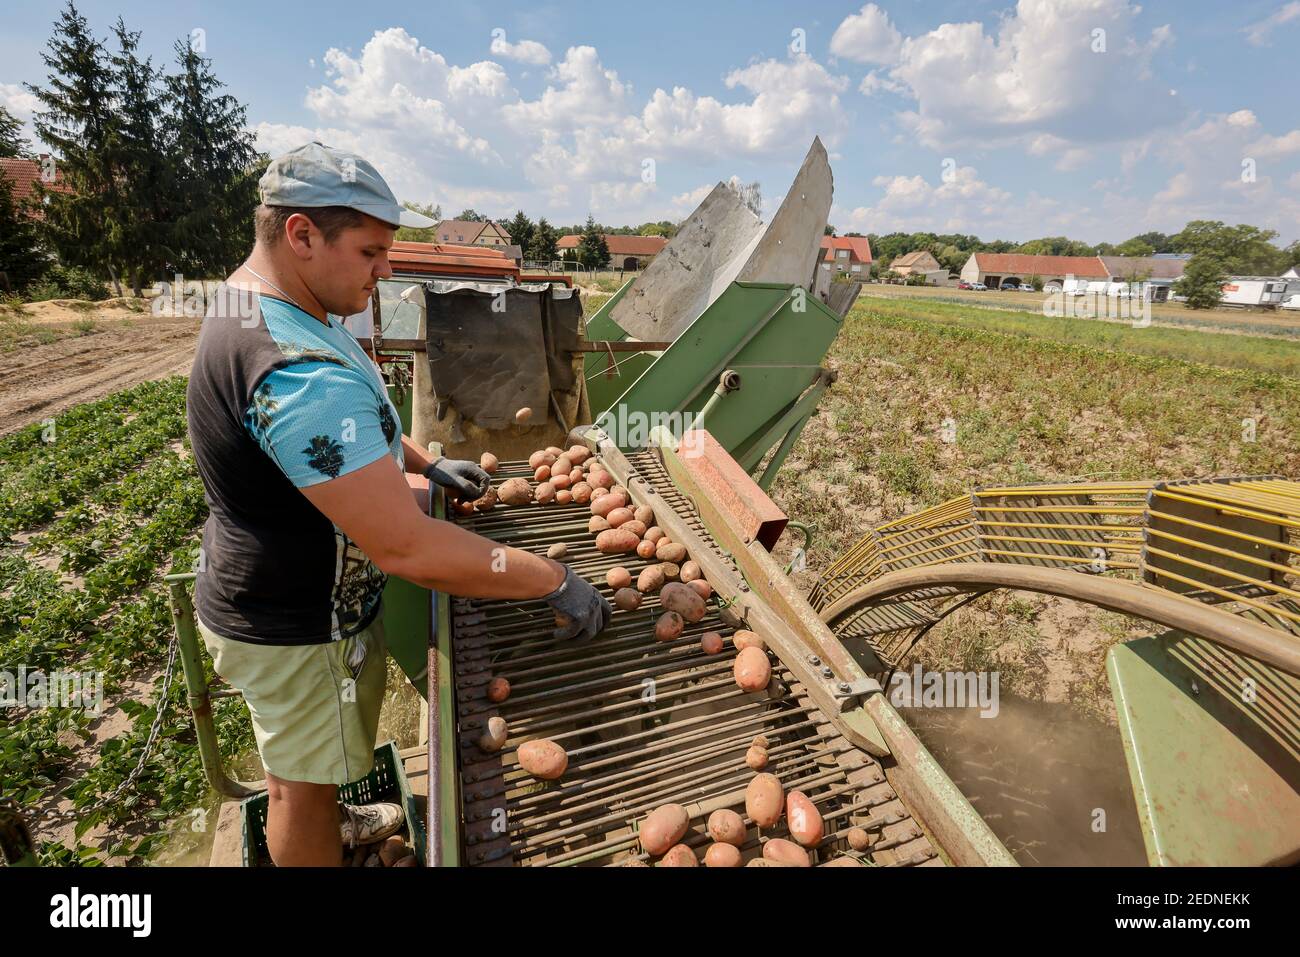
[[859, 838], [597, 524], [683, 600], [555, 450], [545, 494], [392, 850], [654, 533], [557, 551], [498, 690], [845, 861], [463, 508], [711, 643], [494, 738], [543, 473], [543, 759], [786, 852], [562, 466], [650, 580], [670, 552], [488, 501], [515, 491], [803, 819], [619, 516], [615, 541], [608, 503], [679, 856], [597, 492], [635, 527], [722, 855], [752, 670], [645, 514], [537, 459], [691, 571], [621, 491], [581, 493], [663, 827], [702, 588], [727, 827], [523, 415], [563, 497], [756, 758], [672, 571], [646, 550], [560, 482], [600, 479], [578, 454], [577, 475], [669, 626], [747, 639], [628, 599], [618, 577], [634, 862], [488, 463], [760, 741], [764, 799]]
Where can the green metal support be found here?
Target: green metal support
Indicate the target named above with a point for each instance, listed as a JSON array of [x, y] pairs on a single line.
[[444, 795], [199, 693]]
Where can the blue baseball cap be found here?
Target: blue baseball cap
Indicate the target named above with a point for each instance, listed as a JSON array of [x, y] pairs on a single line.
[[315, 175]]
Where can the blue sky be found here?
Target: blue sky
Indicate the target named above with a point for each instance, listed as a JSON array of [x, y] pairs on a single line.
[[1097, 119]]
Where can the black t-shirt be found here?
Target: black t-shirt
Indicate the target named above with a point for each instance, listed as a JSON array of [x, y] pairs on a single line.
[[277, 401]]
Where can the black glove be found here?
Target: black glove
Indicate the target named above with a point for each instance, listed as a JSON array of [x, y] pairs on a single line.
[[466, 479], [586, 609]]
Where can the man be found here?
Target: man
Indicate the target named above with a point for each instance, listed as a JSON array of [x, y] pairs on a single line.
[[302, 461]]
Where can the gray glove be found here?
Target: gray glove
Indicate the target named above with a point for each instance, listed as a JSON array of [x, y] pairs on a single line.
[[586, 609], [466, 479]]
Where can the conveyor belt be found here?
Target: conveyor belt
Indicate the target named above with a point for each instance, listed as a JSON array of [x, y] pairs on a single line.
[[643, 722]]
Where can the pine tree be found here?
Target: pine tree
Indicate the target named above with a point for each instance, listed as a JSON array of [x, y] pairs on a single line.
[[143, 163], [521, 230], [215, 167], [593, 251], [22, 260], [12, 142], [77, 121], [543, 247]]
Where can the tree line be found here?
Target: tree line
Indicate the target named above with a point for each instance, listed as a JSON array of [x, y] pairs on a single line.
[[153, 171]]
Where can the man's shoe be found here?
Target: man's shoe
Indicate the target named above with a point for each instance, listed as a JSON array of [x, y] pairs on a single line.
[[370, 823]]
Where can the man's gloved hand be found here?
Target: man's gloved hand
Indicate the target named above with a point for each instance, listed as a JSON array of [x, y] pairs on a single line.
[[466, 479], [585, 609]]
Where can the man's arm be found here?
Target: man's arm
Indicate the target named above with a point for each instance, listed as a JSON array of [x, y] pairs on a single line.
[[374, 507], [414, 458]]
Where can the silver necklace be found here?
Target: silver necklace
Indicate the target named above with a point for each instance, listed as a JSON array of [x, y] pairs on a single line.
[[262, 278]]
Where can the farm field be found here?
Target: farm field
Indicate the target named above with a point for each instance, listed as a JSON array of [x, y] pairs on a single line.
[[92, 520]]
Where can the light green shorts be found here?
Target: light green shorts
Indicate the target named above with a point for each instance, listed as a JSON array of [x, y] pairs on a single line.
[[315, 708]]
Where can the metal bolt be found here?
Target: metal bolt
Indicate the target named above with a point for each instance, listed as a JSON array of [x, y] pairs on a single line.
[[844, 687], [826, 672], [744, 586], [814, 660]]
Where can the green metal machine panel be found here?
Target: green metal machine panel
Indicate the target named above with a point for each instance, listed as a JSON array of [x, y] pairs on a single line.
[[1212, 740], [406, 606], [775, 339]]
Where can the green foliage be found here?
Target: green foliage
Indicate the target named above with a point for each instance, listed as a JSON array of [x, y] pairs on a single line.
[[543, 246], [1056, 246], [1202, 281], [1241, 250], [593, 251], [521, 230], [12, 142], [23, 260], [66, 282], [410, 234], [472, 216]]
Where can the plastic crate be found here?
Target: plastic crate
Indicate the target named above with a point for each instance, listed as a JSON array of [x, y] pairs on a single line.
[[385, 782]]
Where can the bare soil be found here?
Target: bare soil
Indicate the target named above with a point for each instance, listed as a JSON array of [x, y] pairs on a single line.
[[40, 378]]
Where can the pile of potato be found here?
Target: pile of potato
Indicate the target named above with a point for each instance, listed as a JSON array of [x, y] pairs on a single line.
[[663, 830], [391, 852]]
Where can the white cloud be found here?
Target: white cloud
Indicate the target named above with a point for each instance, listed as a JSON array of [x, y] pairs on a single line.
[[21, 104], [1260, 33], [685, 203], [525, 51], [867, 36], [959, 202], [586, 93], [1046, 70]]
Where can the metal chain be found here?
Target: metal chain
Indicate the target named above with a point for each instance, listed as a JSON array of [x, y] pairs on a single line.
[[56, 815]]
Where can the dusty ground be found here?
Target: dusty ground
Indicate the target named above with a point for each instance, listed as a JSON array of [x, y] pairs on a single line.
[[54, 355]]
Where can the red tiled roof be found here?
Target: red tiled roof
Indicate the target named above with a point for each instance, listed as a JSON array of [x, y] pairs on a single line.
[[858, 247], [1021, 264], [23, 174], [622, 245]]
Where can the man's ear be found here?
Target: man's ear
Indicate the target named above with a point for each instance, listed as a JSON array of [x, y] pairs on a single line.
[[301, 234]]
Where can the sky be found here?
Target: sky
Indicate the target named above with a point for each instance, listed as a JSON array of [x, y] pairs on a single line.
[[1095, 119]]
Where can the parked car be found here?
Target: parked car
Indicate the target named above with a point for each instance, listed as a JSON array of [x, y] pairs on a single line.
[[978, 287], [1291, 302], [963, 284], [1011, 286]]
